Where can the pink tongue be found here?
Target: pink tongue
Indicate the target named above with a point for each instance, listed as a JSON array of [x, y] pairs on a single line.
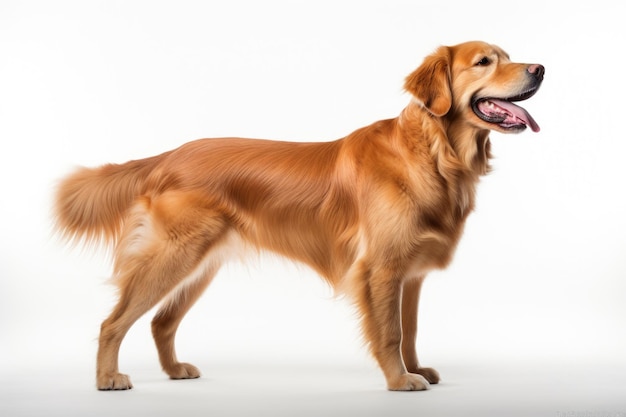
[[518, 112]]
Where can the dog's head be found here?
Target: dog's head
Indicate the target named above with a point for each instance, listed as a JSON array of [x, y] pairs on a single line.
[[478, 83]]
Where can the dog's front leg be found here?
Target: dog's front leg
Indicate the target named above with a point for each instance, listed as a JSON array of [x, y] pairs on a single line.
[[380, 306], [410, 301]]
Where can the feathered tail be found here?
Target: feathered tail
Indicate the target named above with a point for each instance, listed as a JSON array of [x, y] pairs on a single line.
[[90, 204]]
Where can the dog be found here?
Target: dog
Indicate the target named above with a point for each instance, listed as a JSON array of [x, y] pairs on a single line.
[[372, 212]]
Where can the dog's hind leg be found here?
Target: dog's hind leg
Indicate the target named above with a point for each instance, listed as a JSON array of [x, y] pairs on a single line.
[[165, 240], [168, 318]]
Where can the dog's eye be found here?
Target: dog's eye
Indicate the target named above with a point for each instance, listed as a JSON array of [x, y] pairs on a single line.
[[484, 61]]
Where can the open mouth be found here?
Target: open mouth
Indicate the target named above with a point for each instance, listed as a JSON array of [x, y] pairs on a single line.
[[502, 111]]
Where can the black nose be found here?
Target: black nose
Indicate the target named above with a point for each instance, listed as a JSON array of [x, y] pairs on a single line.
[[537, 70]]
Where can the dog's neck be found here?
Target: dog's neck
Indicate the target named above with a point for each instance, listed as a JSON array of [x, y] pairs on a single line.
[[472, 146], [457, 147], [460, 152]]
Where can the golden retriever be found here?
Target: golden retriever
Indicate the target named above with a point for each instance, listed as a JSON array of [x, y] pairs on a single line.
[[372, 212]]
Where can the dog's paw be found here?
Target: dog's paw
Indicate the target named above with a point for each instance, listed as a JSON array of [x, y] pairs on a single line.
[[183, 371], [409, 382], [113, 381], [431, 375]]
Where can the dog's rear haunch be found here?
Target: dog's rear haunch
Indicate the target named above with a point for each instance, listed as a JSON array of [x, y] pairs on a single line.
[[372, 212]]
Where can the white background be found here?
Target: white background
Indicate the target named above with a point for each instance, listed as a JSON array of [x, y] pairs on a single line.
[[530, 317]]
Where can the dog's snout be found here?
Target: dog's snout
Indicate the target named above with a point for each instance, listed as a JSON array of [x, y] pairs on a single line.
[[537, 71]]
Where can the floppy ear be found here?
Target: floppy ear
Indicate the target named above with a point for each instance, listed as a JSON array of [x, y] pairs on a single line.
[[430, 82]]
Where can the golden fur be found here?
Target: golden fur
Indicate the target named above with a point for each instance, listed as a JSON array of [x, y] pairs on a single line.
[[372, 213]]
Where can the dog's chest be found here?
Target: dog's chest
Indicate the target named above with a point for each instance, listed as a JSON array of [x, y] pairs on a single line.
[[437, 221]]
